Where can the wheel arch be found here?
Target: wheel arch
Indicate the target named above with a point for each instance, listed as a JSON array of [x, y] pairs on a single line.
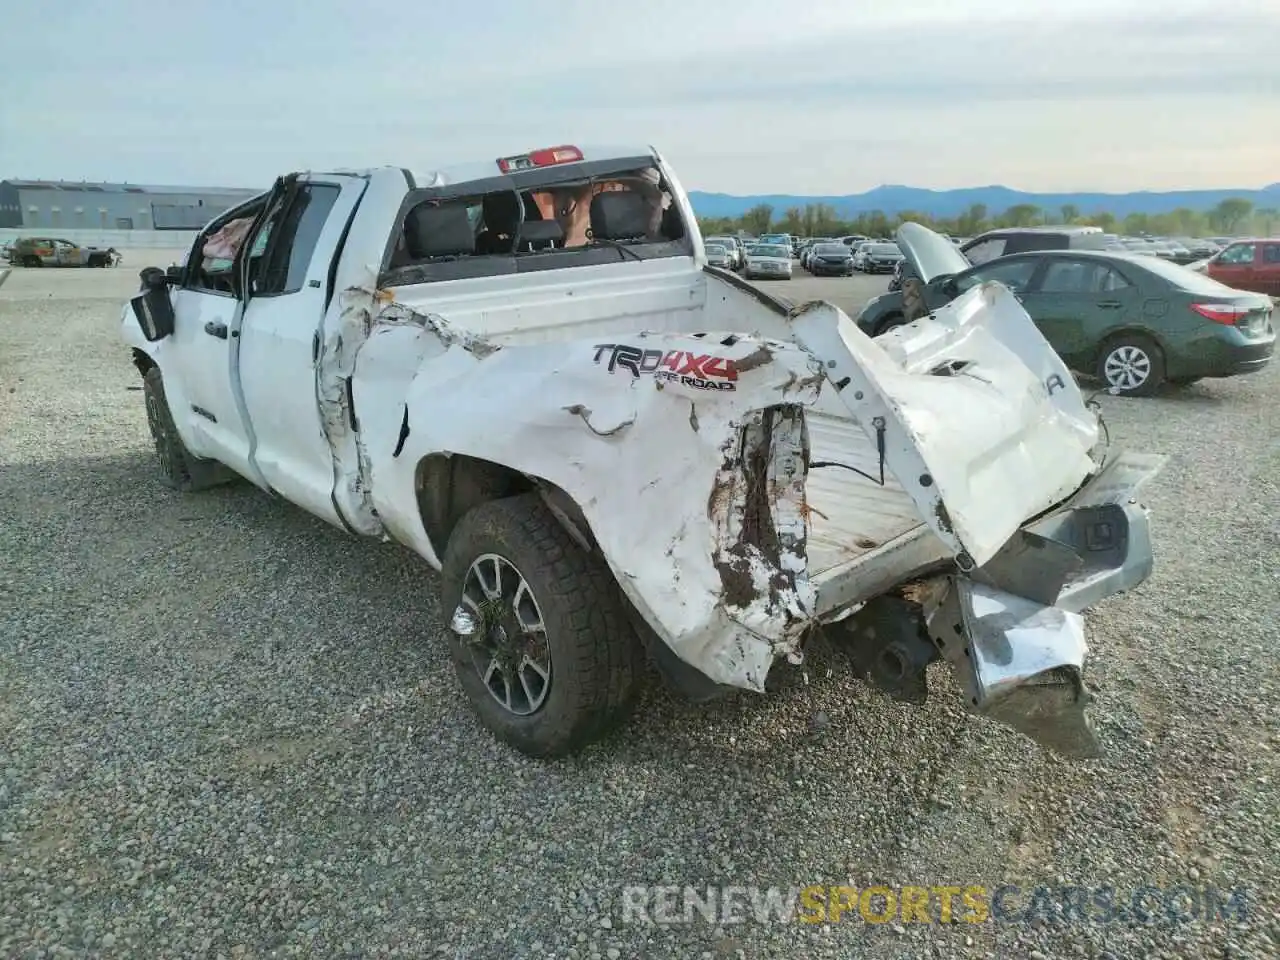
[[448, 486], [143, 361], [1128, 330]]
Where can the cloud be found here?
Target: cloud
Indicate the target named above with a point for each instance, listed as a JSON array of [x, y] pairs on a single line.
[[743, 95]]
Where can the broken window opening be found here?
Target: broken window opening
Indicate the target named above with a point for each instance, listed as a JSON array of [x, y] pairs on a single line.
[[527, 225]]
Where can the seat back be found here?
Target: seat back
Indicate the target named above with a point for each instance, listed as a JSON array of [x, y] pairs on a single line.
[[443, 231]]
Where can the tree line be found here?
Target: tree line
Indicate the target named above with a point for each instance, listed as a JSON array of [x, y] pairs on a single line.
[[1234, 216]]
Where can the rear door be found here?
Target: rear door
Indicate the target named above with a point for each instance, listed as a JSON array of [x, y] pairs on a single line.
[[289, 291], [1075, 302]]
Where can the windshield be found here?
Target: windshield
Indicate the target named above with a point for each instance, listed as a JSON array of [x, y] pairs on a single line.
[[716, 249], [831, 250], [771, 250], [884, 249]]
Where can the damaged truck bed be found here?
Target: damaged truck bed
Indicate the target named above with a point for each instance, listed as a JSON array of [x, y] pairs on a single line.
[[526, 373]]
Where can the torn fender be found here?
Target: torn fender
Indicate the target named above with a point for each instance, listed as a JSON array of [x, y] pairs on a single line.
[[685, 453]]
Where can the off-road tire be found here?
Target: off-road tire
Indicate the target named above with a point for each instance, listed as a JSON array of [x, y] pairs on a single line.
[[180, 469], [597, 661], [1155, 375], [913, 305]]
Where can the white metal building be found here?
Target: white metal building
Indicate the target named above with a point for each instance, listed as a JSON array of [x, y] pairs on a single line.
[[62, 205]]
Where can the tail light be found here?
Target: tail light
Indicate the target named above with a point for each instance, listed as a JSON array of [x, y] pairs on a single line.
[[540, 158], [1228, 314]]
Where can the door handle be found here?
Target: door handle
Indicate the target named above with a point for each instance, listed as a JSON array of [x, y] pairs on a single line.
[[216, 329], [1110, 304]]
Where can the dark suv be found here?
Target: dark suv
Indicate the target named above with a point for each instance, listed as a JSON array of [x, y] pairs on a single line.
[[1009, 240]]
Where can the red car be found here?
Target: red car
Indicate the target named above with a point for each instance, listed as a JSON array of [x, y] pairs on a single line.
[[1249, 265]]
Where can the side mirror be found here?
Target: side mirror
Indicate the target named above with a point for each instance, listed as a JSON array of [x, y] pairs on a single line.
[[152, 307]]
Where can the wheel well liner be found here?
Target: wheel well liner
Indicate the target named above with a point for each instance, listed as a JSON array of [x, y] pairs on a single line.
[[142, 361], [449, 485]]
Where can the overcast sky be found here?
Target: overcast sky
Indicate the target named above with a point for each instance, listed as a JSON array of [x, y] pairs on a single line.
[[742, 96]]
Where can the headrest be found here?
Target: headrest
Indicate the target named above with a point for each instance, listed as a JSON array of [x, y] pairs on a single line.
[[672, 225], [541, 231], [501, 210], [438, 231], [620, 215]]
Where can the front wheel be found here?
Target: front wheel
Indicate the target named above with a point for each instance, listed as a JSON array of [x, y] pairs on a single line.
[[1132, 365], [180, 469], [539, 633]]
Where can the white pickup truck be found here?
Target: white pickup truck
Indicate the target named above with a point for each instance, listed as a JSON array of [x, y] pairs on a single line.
[[524, 371]]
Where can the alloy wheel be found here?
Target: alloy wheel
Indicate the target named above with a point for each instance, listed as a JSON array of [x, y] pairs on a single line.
[[509, 648], [1127, 367]]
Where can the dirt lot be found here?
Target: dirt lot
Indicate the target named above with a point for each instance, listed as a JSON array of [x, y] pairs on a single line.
[[227, 729]]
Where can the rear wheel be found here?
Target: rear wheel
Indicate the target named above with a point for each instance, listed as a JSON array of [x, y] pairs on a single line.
[[540, 636], [180, 469], [1131, 364], [32, 262]]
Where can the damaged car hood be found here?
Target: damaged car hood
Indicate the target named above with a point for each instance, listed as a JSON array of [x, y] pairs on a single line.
[[929, 254]]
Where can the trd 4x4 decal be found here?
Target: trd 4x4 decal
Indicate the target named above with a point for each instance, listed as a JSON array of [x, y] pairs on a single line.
[[700, 371]]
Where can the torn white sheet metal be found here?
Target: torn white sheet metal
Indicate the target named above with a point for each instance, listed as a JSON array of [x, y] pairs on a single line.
[[685, 452], [984, 425], [1019, 662], [645, 433]]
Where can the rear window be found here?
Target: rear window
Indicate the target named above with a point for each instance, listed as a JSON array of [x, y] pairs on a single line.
[[716, 248], [550, 218], [1184, 278], [883, 249], [831, 250]]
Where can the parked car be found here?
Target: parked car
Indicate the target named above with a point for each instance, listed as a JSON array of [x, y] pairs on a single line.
[[781, 239], [830, 260], [770, 261], [1200, 248], [1249, 265], [1140, 246], [55, 252], [383, 349], [1007, 240], [737, 252], [1132, 321], [718, 255], [877, 257]]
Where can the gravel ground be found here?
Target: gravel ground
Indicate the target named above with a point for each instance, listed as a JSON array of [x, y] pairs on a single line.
[[227, 729]]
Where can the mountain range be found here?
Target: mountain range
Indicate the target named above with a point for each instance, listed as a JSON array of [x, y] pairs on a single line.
[[891, 199]]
